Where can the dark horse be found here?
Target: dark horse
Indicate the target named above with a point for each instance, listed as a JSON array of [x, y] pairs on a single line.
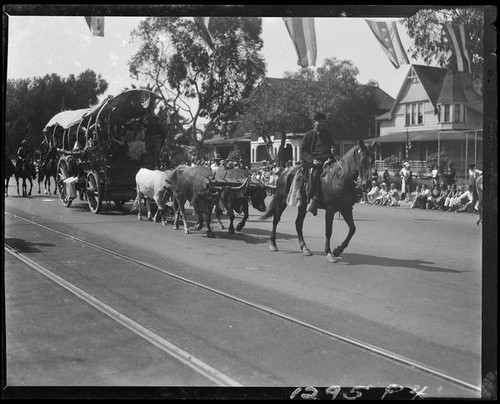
[[10, 170], [25, 170], [47, 170], [338, 194]]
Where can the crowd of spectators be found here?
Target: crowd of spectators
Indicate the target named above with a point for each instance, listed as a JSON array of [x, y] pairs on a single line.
[[443, 193]]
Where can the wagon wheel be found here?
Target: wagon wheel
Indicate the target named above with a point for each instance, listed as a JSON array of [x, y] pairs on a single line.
[[62, 174], [94, 192]]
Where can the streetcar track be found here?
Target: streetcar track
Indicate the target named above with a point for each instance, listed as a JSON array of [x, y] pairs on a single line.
[[268, 310], [178, 353]]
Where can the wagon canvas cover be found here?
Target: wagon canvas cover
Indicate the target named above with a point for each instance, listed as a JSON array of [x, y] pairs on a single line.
[[67, 119]]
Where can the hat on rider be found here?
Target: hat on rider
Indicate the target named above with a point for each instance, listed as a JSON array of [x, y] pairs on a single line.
[[320, 116]]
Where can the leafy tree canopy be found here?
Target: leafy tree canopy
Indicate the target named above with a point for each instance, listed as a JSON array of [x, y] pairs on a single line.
[[31, 103], [194, 81], [290, 104], [429, 41]]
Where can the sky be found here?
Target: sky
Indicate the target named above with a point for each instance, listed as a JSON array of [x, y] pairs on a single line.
[[40, 45]]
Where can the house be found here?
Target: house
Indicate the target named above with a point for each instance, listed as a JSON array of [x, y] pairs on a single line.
[[256, 147], [435, 111]]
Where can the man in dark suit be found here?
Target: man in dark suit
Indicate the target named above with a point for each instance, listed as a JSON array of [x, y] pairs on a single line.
[[317, 148]]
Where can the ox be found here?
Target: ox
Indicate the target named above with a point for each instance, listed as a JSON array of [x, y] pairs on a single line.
[[152, 185], [236, 199], [194, 184]]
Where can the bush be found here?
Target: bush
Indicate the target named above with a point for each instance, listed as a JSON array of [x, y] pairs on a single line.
[[432, 161], [393, 163]]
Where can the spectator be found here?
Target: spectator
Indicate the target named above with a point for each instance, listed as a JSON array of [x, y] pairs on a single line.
[[443, 192], [421, 199], [383, 197], [364, 192], [373, 193], [386, 176], [435, 176], [393, 195], [406, 179], [216, 164], [464, 202], [449, 174], [374, 174], [432, 200], [449, 203]]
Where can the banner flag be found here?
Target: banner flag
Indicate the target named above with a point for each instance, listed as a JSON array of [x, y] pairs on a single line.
[[458, 44], [96, 25], [202, 23], [303, 34], [388, 37]]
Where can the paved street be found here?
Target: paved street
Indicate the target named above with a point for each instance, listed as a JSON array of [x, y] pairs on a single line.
[[410, 283]]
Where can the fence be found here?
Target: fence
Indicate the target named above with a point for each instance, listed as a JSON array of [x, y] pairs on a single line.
[[416, 166]]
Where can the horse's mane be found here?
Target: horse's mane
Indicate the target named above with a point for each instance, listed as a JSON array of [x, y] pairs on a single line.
[[346, 166]]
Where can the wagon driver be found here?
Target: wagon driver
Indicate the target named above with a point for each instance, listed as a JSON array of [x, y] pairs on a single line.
[[317, 148], [154, 138]]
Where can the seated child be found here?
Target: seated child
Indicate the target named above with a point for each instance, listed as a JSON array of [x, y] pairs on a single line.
[[393, 195], [373, 193], [383, 196]]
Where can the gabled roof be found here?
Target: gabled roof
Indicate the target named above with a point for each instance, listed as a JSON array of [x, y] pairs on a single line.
[[452, 90], [384, 100], [432, 81], [441, 86]]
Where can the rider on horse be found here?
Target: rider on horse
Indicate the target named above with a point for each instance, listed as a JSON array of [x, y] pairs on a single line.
[[22, 153], [317, 149]]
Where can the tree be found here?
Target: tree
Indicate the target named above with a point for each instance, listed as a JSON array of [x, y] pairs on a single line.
[[429, 39], [193, 81], [282, 105], [30, 103]]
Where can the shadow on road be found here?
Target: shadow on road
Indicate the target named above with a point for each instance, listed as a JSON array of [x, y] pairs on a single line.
[[420, 265], [24, 246]]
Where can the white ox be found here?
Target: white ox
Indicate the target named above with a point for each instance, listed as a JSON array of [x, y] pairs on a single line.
[[152, 185]]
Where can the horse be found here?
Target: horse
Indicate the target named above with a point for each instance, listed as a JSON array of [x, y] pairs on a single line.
[[9, 171], [48, 170], [339, 182], [25, 170]]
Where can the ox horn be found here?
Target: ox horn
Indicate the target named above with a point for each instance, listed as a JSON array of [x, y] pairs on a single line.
[[244, 185]]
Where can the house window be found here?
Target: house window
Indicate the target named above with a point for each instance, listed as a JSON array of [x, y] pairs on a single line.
[[446, 117], [450, 113], [414, 114]]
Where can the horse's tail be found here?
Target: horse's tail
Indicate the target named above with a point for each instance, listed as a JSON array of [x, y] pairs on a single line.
[[282, 188]]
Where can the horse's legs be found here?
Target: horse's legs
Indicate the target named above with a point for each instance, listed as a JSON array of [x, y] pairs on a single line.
[[347, 215], [245, 217], [31, 186], [299, 222], [17, 183], [231, 220], [278, 211], [208, 221], [330, 213]]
